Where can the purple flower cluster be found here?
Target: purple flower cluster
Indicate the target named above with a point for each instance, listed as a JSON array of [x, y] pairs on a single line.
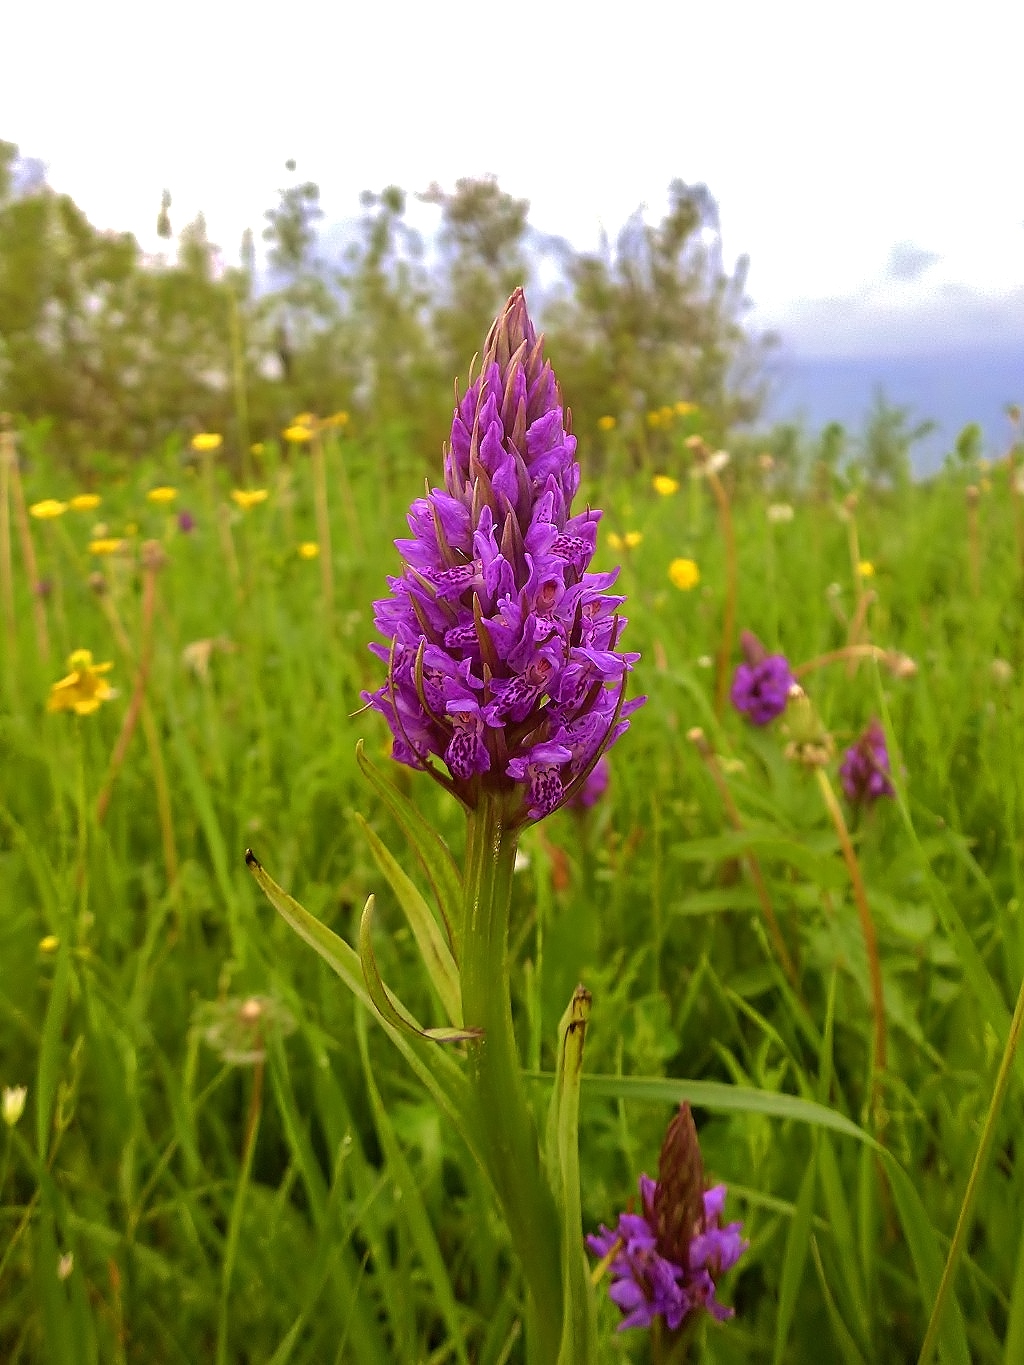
[[864, 771], [760, 687], [503, 658], [646, 1282]]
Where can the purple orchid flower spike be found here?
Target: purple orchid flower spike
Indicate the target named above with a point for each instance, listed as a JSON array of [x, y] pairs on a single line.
[[864, 771], [760, 687], [665, 1261], [504, 659]]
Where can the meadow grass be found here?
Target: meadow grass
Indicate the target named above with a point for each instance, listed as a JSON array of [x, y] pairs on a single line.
[[222, 1158]]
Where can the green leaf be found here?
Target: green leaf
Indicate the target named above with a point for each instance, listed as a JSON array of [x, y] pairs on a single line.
[[928, 1261], [430, 849], [822, 869], [841, 1333], [795, 1258], [723, 1098], [440, 1075], [413, 1209], [1013, 1349], [579, 1340], [51, 1047], [384, 1003], [436, 954]]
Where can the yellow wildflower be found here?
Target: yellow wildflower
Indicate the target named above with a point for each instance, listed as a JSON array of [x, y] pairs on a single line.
[[337, 419], [207, 442], [684, 573], [667, 413], [606, 423], [309, 549], [47, 509], [83, 690], [627, 542], [654, 419], [163, 494], [249, 497], [305, 419], [257, 448], [685, 409], [298, 433], [84, 502], [49, 943], [985, 485], [866, 569], [105, 545], [665, 485]]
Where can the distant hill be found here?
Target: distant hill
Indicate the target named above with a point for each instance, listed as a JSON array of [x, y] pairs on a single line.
[[953, 387]]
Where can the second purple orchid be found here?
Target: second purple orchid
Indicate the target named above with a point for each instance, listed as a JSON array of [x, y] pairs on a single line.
[[504, 658]]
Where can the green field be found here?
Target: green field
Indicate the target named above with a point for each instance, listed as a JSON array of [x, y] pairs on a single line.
[[222, 1156]]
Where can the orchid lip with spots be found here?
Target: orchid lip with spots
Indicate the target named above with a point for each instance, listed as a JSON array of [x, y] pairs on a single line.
[[504, 659]]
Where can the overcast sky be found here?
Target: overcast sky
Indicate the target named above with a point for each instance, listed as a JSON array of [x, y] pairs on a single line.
[[868, 153]]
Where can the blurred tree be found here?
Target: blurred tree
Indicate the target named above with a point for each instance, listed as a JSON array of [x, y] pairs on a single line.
[[887, 441], [969, 444], [482, 246], [658, 319], [122, 351], [117, 354], [297, 319], [163, 218], [397, 373]]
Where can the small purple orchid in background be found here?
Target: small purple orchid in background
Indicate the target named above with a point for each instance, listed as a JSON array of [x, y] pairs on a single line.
[[593, 788], [503, 659], [760, 687], [865, 771], [665, 1261]]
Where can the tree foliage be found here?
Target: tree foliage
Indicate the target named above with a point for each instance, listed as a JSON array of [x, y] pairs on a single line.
[[120, 351]]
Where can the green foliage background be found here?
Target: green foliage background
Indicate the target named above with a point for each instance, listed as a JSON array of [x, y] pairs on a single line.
[[283, 1192]]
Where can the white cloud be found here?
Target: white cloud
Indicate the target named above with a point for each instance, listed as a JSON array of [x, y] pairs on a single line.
[[826, 133]]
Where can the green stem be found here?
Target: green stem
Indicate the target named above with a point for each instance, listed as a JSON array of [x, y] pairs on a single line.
[[506, 1123], [238, 383], [963, 1224], [731, 590], [252, 1128], [323, 528]]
